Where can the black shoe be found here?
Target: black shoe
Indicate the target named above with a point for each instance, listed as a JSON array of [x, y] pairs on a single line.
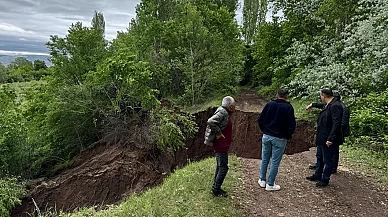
[[313, 178], [322, 184], [312, 166], [224, 192], [219, 193]]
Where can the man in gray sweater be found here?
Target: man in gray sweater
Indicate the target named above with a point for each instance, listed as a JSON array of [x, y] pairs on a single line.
[[219, 135]]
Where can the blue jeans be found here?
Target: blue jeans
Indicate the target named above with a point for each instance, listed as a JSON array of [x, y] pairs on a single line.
[[272, 147], [325, 161]]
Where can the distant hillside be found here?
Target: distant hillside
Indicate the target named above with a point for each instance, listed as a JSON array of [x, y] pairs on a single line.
[[6, 59]]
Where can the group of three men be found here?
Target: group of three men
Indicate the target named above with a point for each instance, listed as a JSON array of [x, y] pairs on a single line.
[[277, 122]]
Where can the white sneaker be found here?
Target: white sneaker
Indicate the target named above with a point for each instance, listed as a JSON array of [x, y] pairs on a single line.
[[272, 188], [261, 183]]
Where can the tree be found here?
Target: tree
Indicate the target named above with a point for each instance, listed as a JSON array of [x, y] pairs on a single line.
[[78, 52], [266, 49], [20, 70], [18, 62], [193, 54], [3, 74], [254, 13], [355, 65], [39, 64], [98, 23]]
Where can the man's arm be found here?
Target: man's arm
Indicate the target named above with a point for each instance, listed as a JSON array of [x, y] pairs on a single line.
[[262, 116], [291, 123], [214, 123], [336, 115], [315, 105]]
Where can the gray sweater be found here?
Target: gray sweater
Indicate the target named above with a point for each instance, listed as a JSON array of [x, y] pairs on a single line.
[[215, 124]]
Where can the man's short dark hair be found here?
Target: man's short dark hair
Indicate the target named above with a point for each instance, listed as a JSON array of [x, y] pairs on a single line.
[[326, 92], [283, 93], [337, 95]]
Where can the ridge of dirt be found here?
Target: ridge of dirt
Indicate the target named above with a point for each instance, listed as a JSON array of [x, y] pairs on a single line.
[[108, 174], [249, 101]]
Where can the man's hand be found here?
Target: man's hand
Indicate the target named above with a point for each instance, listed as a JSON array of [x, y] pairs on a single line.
[[309, 106], [218, 136], [328, 143]]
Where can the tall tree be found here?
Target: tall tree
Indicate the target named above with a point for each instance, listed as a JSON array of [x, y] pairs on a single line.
[[98, 23], [194, 53], [79, 51], [254, 13]]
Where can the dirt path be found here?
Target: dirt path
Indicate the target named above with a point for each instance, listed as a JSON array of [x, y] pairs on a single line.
[[349, 194], [249, 101]]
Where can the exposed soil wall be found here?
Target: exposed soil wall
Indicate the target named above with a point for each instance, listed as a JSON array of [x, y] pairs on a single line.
[[246, 137], [106, 174]]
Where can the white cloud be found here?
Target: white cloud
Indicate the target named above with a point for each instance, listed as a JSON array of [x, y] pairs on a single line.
[[20, 53], [9, 28]]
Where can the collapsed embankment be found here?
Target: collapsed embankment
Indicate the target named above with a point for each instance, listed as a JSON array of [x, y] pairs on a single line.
[[107, 173]]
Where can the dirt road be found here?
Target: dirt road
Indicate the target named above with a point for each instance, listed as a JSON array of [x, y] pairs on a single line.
[[349, 194]]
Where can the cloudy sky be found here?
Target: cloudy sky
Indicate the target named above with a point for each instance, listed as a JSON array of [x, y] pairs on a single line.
[[25, 25]]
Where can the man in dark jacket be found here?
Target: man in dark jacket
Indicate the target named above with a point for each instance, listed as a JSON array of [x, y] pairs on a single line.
[[344, 124], [277, 121], [329, 137], [219, 135]]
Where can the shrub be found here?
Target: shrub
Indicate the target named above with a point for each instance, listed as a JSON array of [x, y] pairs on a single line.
[[10, 192]]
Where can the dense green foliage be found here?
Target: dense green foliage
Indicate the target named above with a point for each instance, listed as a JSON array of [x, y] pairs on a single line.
[[328, 43], [22, 69], [10, 192], [185, 52]]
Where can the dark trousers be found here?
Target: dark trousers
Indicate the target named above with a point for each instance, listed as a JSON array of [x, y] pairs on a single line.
[[336, 159], [325, 161], [221, 169]]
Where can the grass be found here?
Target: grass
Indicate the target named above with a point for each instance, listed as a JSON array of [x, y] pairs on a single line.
[[214, 102], [210, 103], [185, 193], [300, 110], [367, 162]]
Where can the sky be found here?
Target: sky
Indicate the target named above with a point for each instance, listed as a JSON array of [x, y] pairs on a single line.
[[26, 25]]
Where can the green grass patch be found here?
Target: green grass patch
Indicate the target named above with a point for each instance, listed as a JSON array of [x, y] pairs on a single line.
[[215, 102], [301, 112], [367, 162], [185, 193]]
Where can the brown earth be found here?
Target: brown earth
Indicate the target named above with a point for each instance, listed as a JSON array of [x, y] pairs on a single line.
[[348, 194], [108, 173]]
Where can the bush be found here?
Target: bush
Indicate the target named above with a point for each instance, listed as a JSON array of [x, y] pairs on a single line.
[[369, 121], [172, 128], [370, 118], [10, 192]]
